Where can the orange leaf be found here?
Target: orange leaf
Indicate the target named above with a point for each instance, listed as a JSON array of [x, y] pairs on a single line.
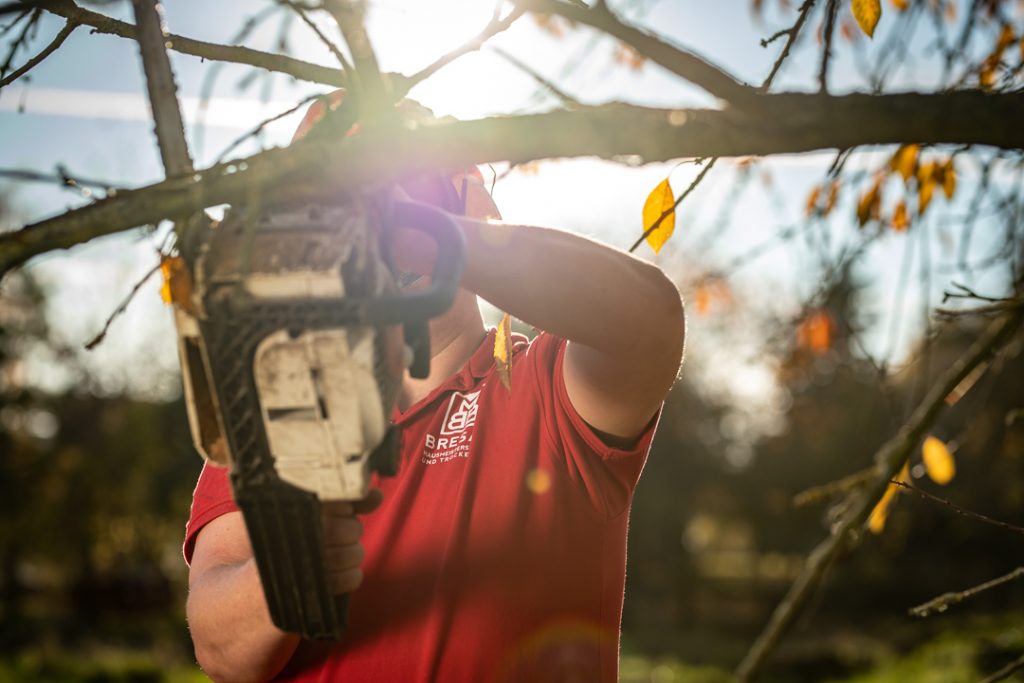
[[900, 221], [659, 209], [815, 332], [880, 513], [812, 200], [948, 179], [702, 300], [870, 204], [177, 285], [867, 13], [926, 178], [502, 344], [900, 5], [904, 161], [938, 461], [833, 195]]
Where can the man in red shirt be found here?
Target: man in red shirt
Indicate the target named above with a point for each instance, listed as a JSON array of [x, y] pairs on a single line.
[[498, 552]]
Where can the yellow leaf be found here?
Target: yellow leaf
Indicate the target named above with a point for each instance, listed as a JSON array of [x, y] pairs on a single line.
[[900, 221], [904, 161], [870, 204], [502, 346], [812, 200], [926, 180], [867, 13], [815, 332], [948, 179], [1005, 39], [659, 210], [900, 5], [938, 461], [833, 195], [177, 286], [880, 513]]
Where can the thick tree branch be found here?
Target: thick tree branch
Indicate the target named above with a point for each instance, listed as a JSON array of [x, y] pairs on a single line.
[[58, 40], [296, 68], [890, 458], [163, 92], [783, 123], [683, 63], [349, 17]]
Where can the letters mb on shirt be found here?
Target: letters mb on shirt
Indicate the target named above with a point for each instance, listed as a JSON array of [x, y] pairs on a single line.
[[456, 430]]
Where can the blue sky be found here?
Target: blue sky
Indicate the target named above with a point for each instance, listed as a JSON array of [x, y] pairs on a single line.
[[85, 108]]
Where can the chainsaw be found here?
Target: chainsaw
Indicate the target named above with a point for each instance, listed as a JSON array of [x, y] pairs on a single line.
[[286, 376]]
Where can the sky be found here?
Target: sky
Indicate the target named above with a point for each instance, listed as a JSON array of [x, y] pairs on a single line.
[[85, 108]]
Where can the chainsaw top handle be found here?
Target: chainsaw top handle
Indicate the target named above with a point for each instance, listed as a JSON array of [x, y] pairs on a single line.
[[437, 296]]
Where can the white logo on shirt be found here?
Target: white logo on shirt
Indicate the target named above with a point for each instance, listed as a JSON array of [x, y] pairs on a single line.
[[456, 430]]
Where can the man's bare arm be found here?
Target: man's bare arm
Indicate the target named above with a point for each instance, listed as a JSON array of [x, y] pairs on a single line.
[[622, 315]]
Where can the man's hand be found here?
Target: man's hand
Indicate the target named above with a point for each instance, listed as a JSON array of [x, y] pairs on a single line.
[[342, 550]]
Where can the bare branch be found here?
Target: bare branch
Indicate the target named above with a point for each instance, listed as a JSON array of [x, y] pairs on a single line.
[[121, 308], [786, 123], [61, 177], [163, 92], [567, 100], [685, 64], [890, 459], [843, 486], [959, 510], [1007, 671], [793, 32], [304, 71], [69, 27], [826, 48], [942, 603], [263, 124], [372, 94], [494, 27], [328, 43]]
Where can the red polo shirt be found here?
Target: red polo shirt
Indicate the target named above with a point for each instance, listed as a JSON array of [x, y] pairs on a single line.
[[499, 552]]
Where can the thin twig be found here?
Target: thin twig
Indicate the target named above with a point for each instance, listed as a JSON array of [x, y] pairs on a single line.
[[20, 41], [263, 124], [69, 27], [891, 458], [334, 49], [959, 510], [942, 603], [826, 49], [495, 26], [816, 494], [61, 177], [1007, 671], [304, 71], [121, 308], [566, 99], [793, 32], [667, 212]]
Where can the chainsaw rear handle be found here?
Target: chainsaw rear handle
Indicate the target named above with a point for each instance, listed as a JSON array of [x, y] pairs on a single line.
[[421, 305]]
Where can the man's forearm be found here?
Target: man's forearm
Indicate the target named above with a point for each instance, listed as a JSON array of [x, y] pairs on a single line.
[[231, 628]]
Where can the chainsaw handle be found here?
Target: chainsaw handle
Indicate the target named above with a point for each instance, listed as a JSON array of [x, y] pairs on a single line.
[[423, 304]]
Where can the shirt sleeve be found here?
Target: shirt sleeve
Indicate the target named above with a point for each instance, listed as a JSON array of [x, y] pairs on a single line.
[[608, 473], [211, 499]]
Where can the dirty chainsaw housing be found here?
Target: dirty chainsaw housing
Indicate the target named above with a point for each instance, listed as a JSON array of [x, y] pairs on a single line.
[[287, 377]]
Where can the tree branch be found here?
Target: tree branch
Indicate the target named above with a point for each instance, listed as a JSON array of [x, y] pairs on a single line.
[[296, 68], [69, 27], [793, 32], [163, 92], [685, 64], [942, 603], [1006, 671], [785, 123], [890, 459]]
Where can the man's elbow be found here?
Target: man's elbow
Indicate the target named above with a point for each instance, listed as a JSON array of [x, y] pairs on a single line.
[[665, 333]]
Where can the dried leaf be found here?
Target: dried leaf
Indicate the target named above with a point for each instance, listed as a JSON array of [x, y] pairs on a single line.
[[900, 5], [880, 514], [833, 196], [815, 332], [904, 161], [660, 206], [987, 73], [926, 178], [938, 461], [627, 55], [502, 351], [867, 13], [1004, 40], [177, 285], [870, 203], [702, 300], [812, 200], [948, 174], [900, 220]]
